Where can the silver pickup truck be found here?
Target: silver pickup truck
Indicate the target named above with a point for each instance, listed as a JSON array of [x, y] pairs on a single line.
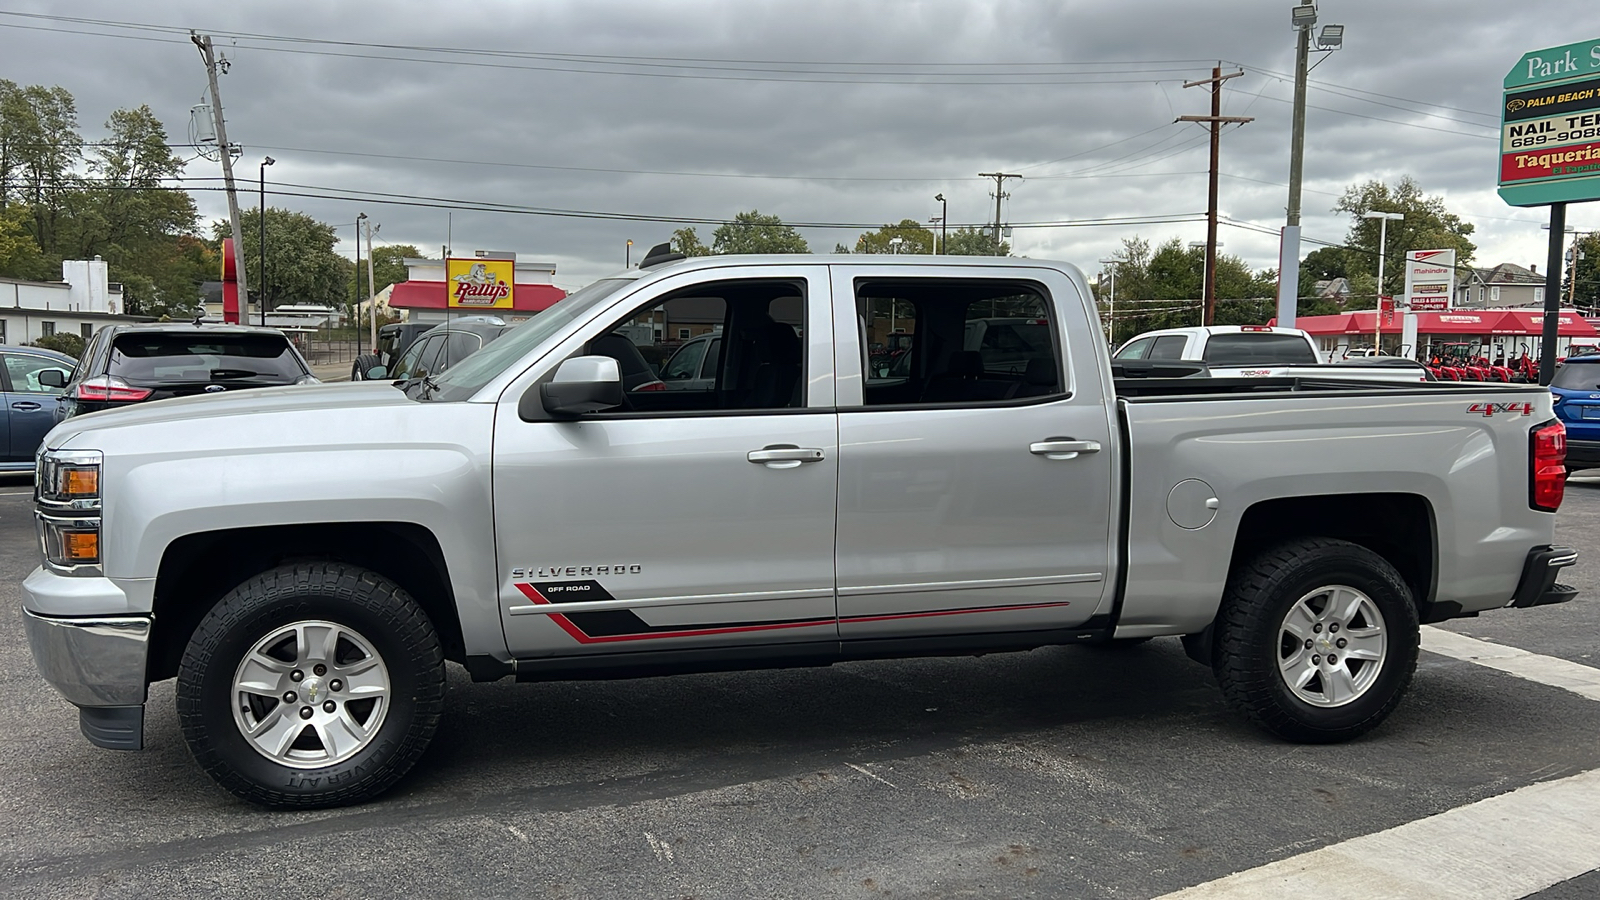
[[304, 560]]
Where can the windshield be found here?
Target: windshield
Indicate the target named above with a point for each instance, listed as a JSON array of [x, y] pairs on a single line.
[[1577, 376], [477, 370], [1258, 349]]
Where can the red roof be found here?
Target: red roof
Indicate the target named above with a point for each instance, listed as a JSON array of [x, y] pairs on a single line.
[[1487, 321], [435, 294]]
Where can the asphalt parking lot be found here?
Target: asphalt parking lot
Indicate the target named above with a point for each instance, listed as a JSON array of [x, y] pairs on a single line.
[[1063, 772]]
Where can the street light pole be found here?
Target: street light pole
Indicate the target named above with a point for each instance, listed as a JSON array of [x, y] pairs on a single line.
[[1111, 308], [262, 173], [627, 255], [355, 282], [1383, 251], [944, 224], [1302, 18]]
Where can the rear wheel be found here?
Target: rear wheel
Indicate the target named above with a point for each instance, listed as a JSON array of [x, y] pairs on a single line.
[[1317, 640], [311, 685]]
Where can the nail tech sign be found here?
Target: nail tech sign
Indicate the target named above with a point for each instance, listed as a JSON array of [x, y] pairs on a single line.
[[480, 283]]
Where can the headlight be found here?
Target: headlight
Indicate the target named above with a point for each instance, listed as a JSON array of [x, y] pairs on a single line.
[[67, 510]]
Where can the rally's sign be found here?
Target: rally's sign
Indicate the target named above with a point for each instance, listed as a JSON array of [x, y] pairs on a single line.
[[480, 283], [1430, 279], [1550, 127]]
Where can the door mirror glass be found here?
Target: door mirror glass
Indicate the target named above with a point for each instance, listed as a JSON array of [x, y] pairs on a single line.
[[375, 372], [583, 384], [53, 378]]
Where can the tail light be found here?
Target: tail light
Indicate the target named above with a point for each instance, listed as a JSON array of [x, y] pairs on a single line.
[[1255, 328], [110, 388], [1547, 466], [651, 386]]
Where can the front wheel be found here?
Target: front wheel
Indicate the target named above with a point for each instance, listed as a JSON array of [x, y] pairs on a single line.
[[311, 685], [1317, 640]]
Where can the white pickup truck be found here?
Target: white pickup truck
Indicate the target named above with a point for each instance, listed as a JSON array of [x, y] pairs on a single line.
[[1260, 351], [304, 560]]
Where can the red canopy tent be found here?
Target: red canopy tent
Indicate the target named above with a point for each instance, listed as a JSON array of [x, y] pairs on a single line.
[[1529, 323]]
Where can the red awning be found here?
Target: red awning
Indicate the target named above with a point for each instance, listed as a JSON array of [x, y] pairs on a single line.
[[1486, 322], [434, 295]]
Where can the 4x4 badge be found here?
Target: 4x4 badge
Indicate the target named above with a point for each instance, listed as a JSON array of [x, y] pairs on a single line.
[[1489, 409]]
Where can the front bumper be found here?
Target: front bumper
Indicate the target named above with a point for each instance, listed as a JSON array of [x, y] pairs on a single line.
[[1538, 585], [97, 662]]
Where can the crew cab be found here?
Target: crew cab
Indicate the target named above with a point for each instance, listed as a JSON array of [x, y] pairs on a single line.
[[1252, 351], [304, 560]]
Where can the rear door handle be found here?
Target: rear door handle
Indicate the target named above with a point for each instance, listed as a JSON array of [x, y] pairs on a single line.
[[784, 456], [25, 405], [1062, 448]]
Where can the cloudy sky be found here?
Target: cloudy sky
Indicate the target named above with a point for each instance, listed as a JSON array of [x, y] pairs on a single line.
[[823, 112]]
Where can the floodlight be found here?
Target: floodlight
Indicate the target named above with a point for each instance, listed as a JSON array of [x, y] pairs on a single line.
[[1304, 15], [1331, 37]]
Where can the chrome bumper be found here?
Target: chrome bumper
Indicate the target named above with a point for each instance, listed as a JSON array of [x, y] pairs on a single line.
[[92, 661]]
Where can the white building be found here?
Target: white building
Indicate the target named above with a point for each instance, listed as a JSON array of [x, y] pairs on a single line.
[[82, 302]]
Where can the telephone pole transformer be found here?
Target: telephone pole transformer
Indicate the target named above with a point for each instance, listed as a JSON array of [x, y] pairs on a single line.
[[998, 195], [1216, 120], [206, 54]]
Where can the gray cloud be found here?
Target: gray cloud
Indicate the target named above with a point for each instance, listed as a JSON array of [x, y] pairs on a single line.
[[878, 152]]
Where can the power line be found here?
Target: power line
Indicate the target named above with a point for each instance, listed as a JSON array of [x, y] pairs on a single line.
[[1326, 85]]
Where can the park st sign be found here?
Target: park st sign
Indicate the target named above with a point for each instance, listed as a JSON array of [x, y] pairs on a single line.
[[1550, 127]]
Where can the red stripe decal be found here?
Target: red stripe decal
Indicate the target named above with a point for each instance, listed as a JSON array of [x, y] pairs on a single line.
[[581, 637], [950, 612], [578, 634]]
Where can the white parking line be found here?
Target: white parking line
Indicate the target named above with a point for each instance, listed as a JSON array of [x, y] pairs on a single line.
[[1579, 679], [1502, 848]]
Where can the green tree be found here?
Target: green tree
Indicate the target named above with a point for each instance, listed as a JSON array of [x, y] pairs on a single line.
[[388, 266], [19, 252], [1585, 271], [1427, 225], [975, 242], [914, 238], [44, 135], [301, 264], [68, 342], [752, 232], [687, 242]]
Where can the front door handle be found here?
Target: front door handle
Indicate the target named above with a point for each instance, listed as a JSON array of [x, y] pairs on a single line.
[[1062, 448], [784, 456], [25, 405]]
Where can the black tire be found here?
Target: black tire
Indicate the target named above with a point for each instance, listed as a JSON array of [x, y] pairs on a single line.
[[1253, 636], [358, 369], [368, 616]]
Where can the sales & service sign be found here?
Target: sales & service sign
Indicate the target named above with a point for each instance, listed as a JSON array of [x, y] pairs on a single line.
[[480, 283], [1550, 127]]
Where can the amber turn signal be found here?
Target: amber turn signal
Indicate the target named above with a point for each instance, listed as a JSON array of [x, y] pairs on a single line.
[[81, 546], [80, 482]]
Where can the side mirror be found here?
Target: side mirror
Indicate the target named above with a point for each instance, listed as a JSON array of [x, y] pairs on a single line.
[[582, 384], [375, 373], [53, 378]]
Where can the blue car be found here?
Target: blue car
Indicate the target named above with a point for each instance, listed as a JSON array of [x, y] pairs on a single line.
[[27, 405], [1576, 387]]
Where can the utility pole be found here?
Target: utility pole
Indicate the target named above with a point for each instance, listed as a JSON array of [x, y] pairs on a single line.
[[206, 54], [1289, 243], [998, 195], [372, 294], [1216, 120], [355, 282]]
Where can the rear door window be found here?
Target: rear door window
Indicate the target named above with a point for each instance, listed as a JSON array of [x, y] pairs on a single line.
[[1169, 346], [1577, 377], [1258, 349], [166, 357]]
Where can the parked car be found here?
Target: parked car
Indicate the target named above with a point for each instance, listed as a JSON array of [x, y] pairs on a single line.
[[1575, 389], [440, 347], [693, 366], [28, 405], [303, 562], [127, 364], [394, 340]]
